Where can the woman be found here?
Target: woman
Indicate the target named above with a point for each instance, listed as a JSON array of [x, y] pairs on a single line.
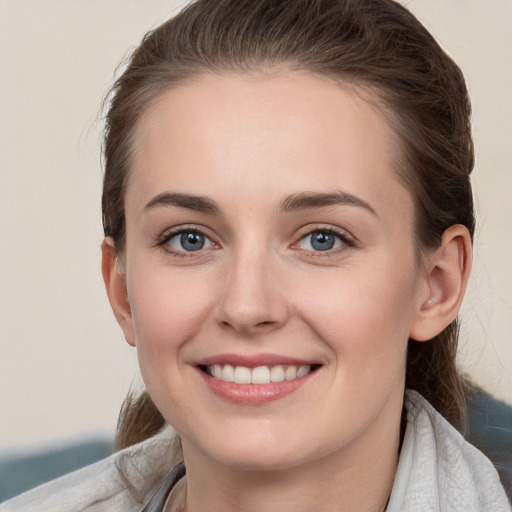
[[288, 221]]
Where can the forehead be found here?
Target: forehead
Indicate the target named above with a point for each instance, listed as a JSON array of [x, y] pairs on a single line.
[[279, 132]]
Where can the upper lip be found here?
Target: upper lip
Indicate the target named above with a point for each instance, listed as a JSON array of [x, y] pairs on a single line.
[[253, 360]]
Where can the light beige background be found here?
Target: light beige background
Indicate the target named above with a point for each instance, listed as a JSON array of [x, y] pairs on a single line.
[[64, 365]]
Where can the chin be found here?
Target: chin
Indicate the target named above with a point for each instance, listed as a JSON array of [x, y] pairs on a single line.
[[252, 454], [259, 462]]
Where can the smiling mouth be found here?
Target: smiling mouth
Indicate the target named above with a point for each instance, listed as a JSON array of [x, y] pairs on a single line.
[[259, 374]]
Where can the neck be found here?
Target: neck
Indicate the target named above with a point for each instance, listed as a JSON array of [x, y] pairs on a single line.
[[357, 477], [282, 492]]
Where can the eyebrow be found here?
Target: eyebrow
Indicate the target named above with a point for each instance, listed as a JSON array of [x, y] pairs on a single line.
[[191, 202], [309, 200], [294, 202]]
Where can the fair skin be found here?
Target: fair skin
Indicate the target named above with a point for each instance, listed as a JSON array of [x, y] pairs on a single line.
[[266, 227]]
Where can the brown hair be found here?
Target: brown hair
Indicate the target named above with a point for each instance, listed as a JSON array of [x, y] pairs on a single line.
[[375, 45]]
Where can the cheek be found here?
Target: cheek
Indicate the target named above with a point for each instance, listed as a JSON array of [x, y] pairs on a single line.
[[167, 309], [364, 315]]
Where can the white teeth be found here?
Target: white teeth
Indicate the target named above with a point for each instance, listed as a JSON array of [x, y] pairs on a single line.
[[216, 371], [290, 373], [277, 374], [258, 375], [228, 373], [242, 375], [303, 370]]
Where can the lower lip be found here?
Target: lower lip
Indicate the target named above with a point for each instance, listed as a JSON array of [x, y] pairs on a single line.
[[254, 393]]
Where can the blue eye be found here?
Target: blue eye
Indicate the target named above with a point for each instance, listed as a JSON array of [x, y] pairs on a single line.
[[321, 241], [188, 241], [192, 241]]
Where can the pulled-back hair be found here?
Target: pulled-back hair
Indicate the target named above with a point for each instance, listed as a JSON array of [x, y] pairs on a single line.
[[375, 46]]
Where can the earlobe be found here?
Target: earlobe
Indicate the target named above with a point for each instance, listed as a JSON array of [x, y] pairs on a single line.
[[447, 273], [115, 284]]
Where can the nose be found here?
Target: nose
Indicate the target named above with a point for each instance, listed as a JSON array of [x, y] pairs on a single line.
[[252, 301]]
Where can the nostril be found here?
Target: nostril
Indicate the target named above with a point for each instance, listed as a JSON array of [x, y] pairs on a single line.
[[266, 322]]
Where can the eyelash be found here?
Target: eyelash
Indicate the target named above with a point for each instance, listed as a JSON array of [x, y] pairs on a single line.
[[167, 237], [342, 236]]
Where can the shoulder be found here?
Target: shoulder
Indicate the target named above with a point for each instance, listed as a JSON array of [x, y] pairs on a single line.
[[121, 482], [439, 470]]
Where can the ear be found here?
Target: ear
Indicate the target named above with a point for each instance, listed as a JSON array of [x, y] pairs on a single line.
[[447, 272], [115, 284]]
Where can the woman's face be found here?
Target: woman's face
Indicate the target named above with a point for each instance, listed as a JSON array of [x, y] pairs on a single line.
[[270, 241]]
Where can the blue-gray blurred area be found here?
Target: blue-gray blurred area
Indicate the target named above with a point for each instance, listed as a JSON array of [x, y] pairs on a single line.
[[489, 429], [20, 473]]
